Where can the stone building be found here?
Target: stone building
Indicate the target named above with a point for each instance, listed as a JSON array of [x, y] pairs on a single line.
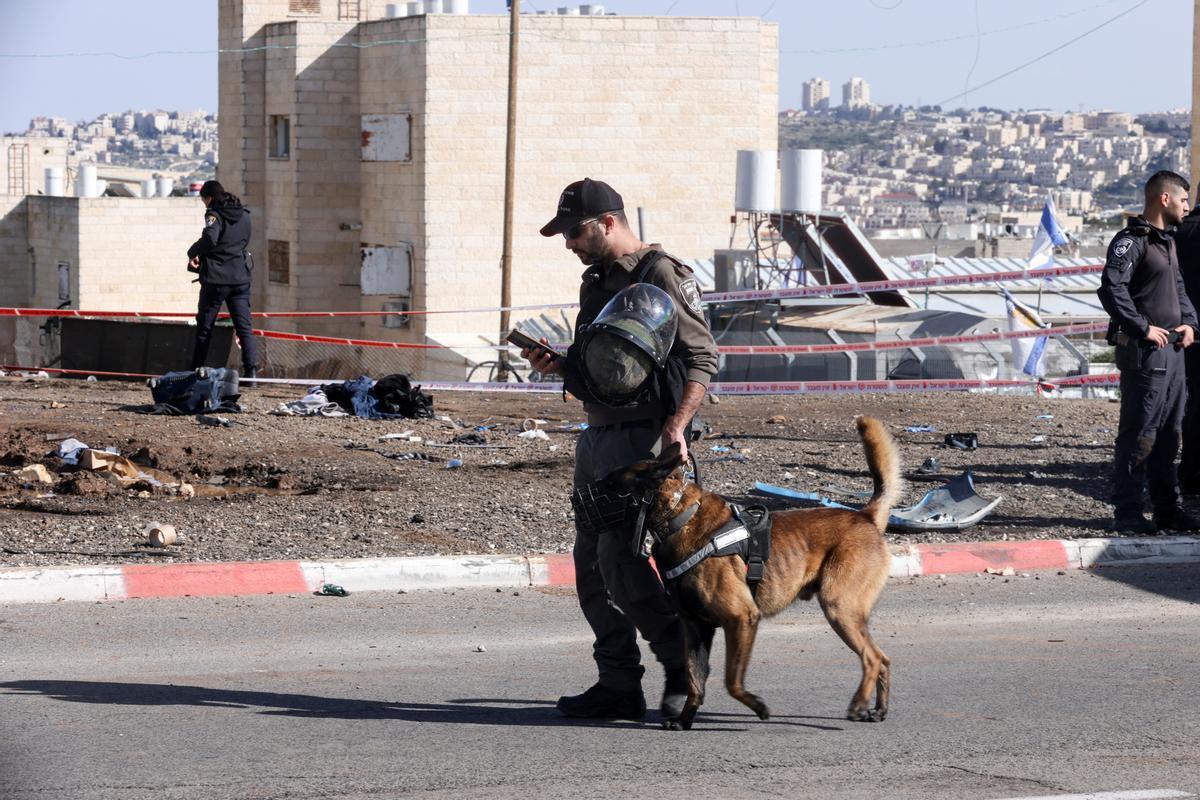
[[372, 152]]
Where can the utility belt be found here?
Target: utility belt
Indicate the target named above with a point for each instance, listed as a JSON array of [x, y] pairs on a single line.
[[598, 510], [1125, 340], [628, 424]]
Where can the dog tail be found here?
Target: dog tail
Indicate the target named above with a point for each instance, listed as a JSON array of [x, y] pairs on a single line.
[[883, 460]]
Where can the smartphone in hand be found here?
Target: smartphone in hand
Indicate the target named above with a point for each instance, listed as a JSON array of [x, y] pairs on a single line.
[[524, 341]]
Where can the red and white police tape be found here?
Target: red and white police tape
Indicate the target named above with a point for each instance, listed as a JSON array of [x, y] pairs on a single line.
[[712, 297]]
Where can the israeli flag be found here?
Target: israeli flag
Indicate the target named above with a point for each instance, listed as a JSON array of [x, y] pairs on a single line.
[[1028, 353], [1049, 235]]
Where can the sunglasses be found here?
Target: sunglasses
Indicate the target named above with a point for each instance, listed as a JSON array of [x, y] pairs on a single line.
[[576, 230]]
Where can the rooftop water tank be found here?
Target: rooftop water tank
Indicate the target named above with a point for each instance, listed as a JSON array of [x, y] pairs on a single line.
[[800, 181], [54, 181], [148, 188], [164, 186], [86, 186], [755, 182], [454, 6]]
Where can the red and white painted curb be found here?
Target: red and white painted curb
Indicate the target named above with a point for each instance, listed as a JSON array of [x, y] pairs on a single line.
[[119, 582]]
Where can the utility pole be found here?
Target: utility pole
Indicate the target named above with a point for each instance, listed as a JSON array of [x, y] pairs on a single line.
[[510, 150]]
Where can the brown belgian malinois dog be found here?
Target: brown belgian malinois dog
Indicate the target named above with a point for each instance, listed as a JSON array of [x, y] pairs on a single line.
[[838, 555]]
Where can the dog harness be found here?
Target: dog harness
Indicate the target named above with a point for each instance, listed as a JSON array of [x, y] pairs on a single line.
[[747, 534]]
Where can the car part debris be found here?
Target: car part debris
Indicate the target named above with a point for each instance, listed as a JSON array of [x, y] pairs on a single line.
[[954, 506]]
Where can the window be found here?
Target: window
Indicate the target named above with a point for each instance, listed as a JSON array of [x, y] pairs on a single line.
[[349, 10], [280, 140], [279, 261], [64, 283], [304, 6]]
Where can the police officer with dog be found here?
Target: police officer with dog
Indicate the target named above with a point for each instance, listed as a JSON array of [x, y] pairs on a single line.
[[641, 363], [220, 258], [1152, 321]]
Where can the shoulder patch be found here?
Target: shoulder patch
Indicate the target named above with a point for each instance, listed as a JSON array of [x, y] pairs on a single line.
[[1121, 246], [690, 291], [210, 220]]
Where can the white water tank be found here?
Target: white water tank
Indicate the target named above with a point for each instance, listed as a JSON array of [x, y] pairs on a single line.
[[85, 185], [395, 10], [571, 11], [591, 10], [163, 186], [800, 180], [433, 6], [101, 187], [455, 7], [416, 8], [148, 188], [755, 185], [54, 181]]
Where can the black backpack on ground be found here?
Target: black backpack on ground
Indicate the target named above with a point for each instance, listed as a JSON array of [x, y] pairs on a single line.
[[395, 394]]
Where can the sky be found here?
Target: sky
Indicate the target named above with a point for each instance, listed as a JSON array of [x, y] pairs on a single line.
[[1086, 54]]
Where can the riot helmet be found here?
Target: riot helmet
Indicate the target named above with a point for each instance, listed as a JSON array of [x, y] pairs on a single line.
[[627, 342]]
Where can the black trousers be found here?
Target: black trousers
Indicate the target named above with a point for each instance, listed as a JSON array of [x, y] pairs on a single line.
[[620, 593], [237, 299], [1153, 397], [1189, 460]]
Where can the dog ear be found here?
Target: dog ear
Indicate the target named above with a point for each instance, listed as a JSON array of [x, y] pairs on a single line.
[[669, 460]]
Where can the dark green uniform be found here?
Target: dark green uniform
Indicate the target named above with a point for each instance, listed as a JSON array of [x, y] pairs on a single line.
[[620, 594]]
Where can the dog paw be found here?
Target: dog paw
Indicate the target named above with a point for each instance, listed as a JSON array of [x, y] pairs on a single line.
[[859, 715], [877, 715], [673, 725], [763, 713]]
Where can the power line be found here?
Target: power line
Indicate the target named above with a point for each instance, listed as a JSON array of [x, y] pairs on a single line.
[[949, 39], [259, 49], [1047, 54]]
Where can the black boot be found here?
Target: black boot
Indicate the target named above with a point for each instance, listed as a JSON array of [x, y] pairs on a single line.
[[675, 693], [601, 702]]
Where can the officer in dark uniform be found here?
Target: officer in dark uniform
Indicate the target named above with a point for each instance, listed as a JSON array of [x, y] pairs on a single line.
[[220, 258], [1152, 321], [1187, 245], [619, 592]]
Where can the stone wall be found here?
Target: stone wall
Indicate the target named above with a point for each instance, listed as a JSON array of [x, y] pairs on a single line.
[[656, 106]]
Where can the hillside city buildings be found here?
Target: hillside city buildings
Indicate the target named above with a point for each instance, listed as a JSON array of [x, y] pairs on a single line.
[[930, 165], [136, 138]]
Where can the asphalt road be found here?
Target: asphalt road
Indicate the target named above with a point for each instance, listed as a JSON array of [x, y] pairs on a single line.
[[1003, 688]]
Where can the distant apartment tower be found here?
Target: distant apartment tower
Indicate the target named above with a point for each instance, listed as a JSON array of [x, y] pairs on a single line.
[[856, 93], [816, 94]]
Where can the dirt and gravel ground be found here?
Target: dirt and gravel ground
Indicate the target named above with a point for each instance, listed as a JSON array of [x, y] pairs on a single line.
[[273, 487]]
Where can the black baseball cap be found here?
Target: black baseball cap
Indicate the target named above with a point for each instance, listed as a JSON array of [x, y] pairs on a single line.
[[582, 200]]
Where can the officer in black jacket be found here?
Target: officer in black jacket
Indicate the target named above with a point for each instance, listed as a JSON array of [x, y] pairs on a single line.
[[1152, 321], [1187, 244], [220, 257]]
